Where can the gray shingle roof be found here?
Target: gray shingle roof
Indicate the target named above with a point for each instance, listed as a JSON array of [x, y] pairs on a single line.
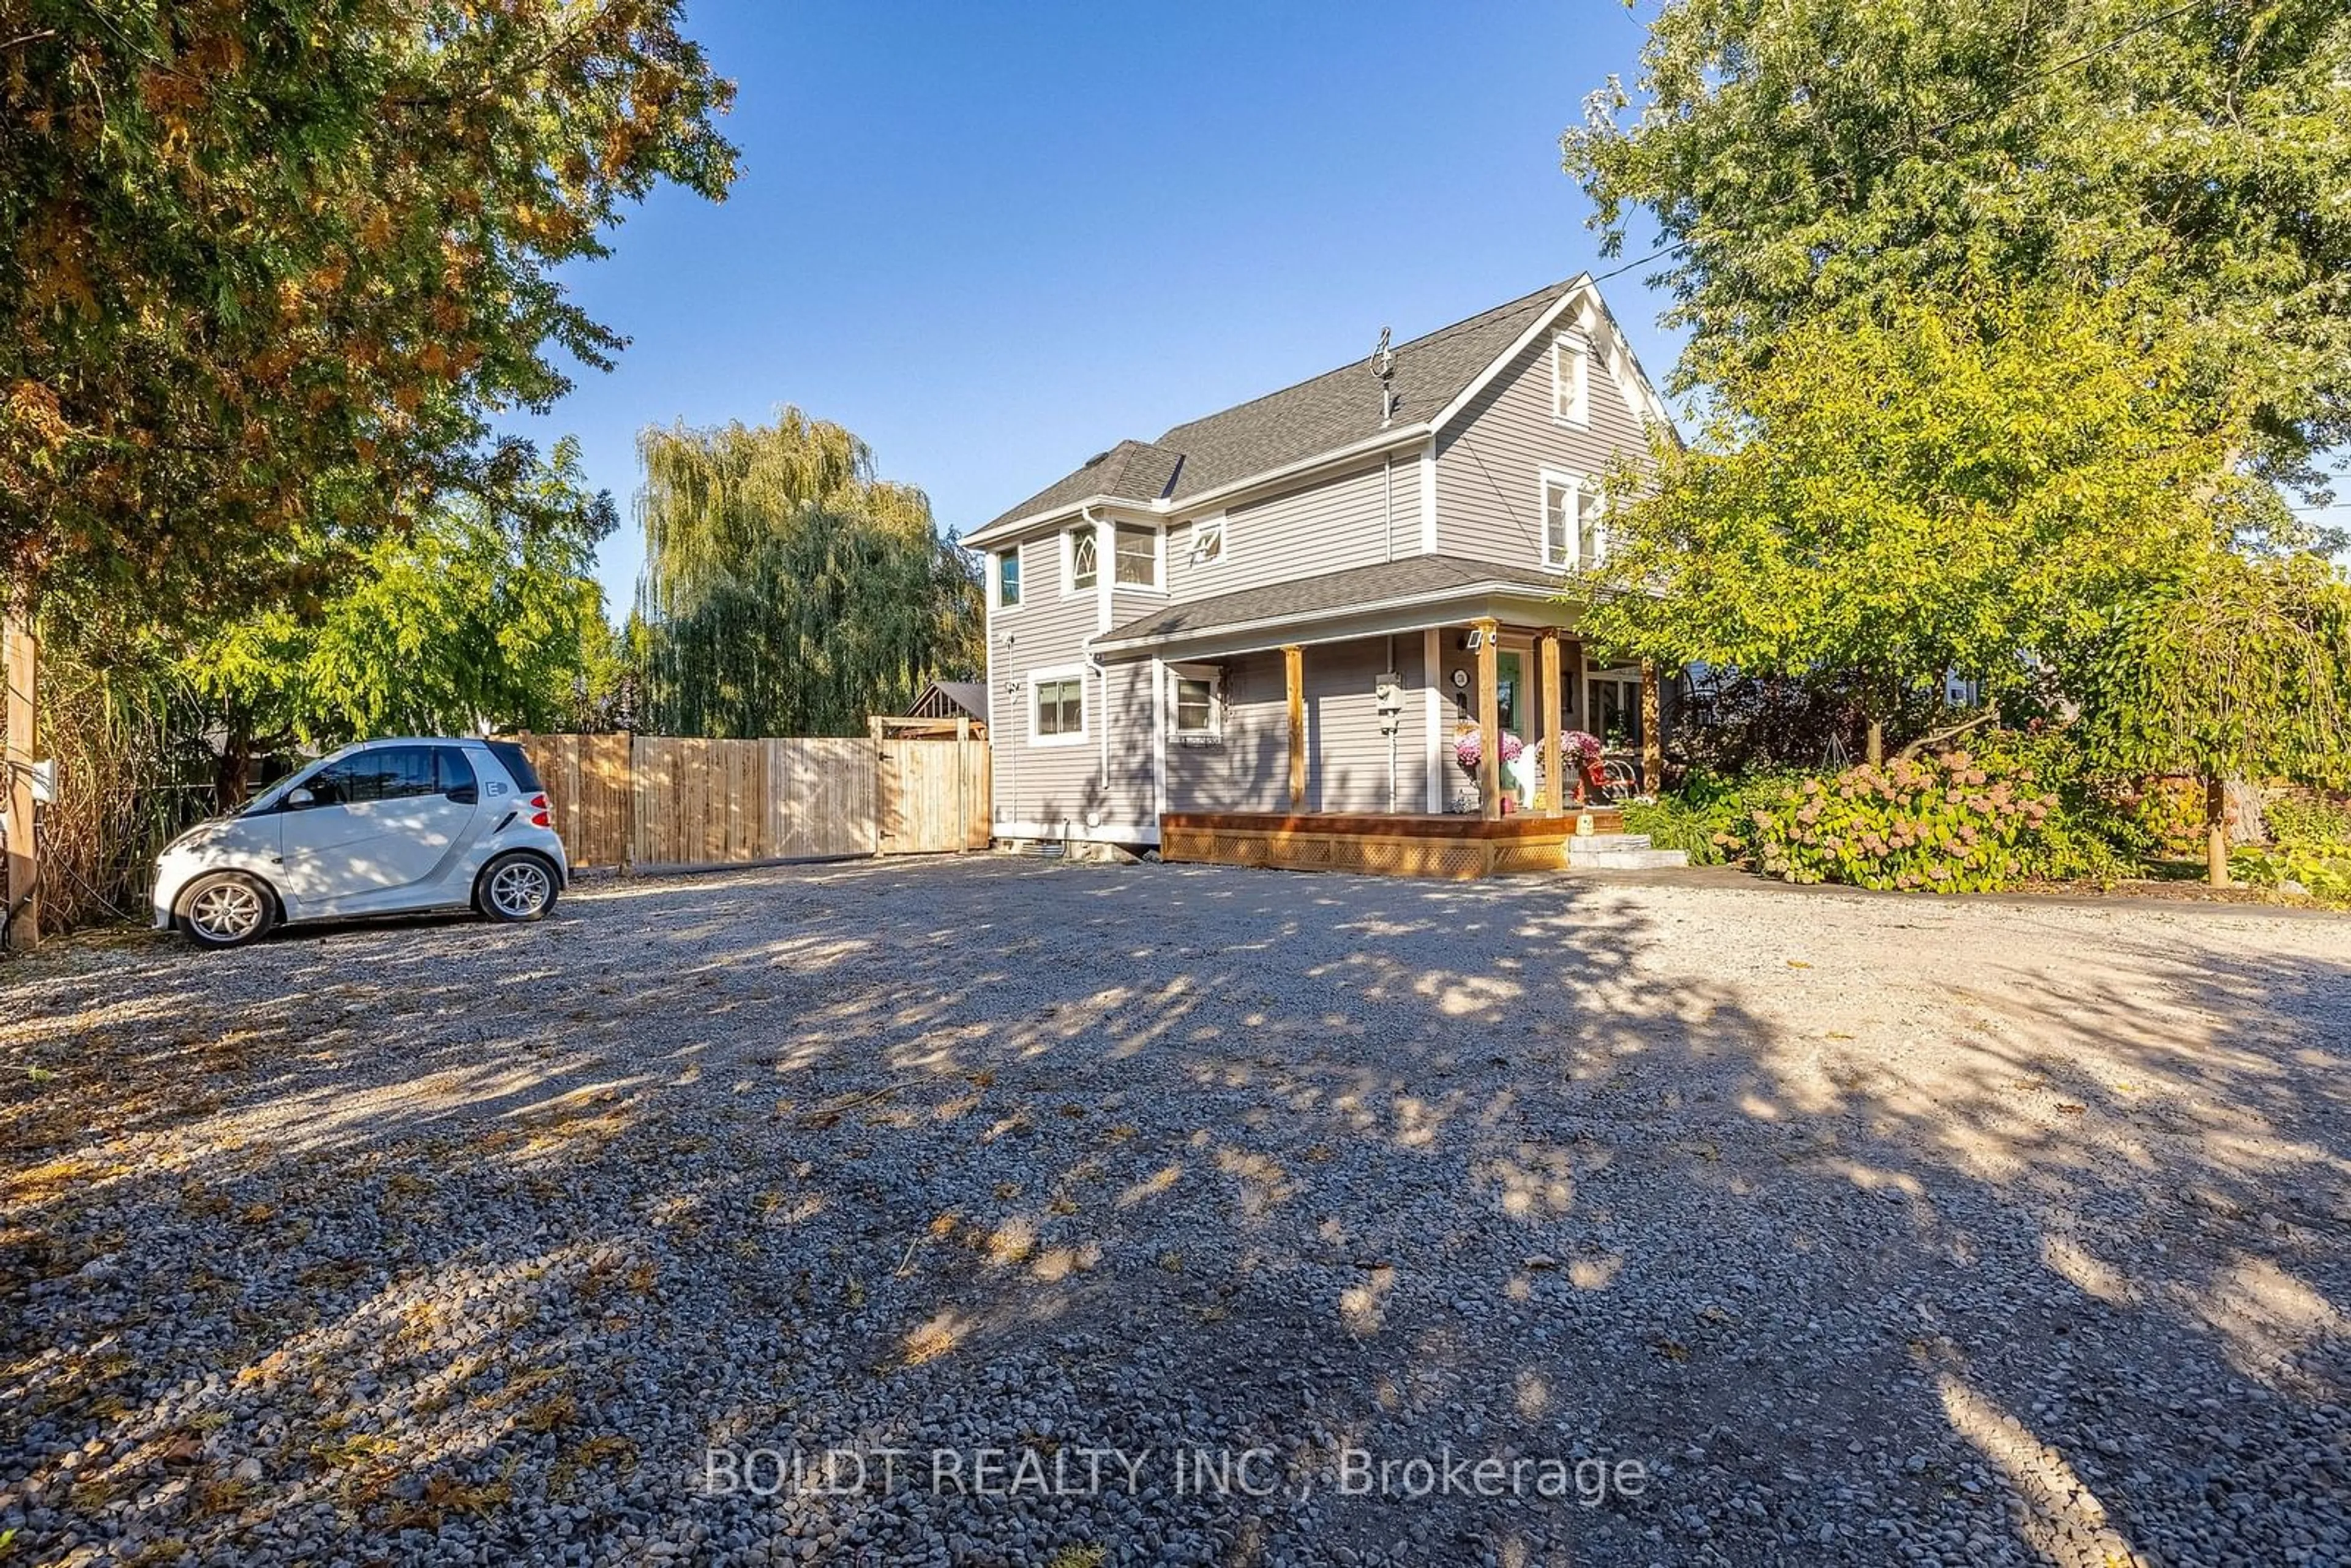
[[971, 697], [1353, 589], [1332, 411]]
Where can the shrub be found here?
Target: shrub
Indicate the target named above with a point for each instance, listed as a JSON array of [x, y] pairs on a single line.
[[2323, 870], [1942, 824], [2304, 817], [2091, 834], [1675, 824], [1703, 814]]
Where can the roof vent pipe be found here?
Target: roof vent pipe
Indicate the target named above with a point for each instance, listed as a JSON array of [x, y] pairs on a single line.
[[1384, 367]]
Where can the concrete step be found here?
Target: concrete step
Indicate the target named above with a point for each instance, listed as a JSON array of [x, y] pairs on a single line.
[[1609, 841], [1621, 852]]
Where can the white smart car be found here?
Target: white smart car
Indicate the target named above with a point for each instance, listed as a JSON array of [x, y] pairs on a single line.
[[385, 827]]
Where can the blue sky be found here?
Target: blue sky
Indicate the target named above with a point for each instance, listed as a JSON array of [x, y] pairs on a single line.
[[993, 239]]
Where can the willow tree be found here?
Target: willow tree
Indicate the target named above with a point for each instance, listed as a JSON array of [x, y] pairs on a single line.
[[2233, 666], [789, 589]]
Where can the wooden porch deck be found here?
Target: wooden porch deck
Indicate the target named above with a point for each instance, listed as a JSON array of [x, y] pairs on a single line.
[[1405, 844]]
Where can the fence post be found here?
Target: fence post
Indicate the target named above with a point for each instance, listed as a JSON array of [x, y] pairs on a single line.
[[881, 791], [962, 784], [22, 887]]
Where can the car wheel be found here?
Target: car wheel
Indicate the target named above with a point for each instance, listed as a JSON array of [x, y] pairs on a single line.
[[226, 909], [517, 885]]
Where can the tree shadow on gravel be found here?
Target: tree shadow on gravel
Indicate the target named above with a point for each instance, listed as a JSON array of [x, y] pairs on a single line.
[[1870, 1231]]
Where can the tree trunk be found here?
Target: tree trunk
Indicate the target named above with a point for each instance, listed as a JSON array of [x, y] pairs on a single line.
[[2216, 832], [233, 777], [1876, 748]]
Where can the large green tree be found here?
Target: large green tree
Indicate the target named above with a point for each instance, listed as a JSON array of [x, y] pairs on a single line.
[[265, 268], [1803, 154], [789, 589], [469, 618], [1952, 482]]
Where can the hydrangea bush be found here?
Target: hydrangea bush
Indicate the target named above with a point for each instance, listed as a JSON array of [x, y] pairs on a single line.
[[1942, 824]]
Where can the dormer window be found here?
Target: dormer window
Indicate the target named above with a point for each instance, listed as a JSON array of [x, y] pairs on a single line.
[[1570, 381], [1085, 557]]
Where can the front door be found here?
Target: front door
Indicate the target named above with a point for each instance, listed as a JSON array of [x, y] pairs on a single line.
[[380, 829], [1510, 685]]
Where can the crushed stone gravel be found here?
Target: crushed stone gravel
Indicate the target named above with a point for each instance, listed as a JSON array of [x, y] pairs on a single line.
[[1185, 1215]]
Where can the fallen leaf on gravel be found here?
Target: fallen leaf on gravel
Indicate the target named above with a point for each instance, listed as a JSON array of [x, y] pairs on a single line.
[[2067, 1108], [1672, 1350], [1798, 964]]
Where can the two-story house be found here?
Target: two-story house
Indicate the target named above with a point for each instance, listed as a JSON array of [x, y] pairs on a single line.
[[1299, 605]]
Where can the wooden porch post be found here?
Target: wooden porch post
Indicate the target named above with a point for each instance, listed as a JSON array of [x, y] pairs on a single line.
[[1293, 679], [1653, 738], [1490, 717], [1554, 781], [20, 652]]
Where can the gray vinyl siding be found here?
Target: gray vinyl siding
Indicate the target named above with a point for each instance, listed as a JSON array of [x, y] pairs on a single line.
[[1324, 527], [1489, 464], [1248, 769], [1346, 755], [1033, 783]]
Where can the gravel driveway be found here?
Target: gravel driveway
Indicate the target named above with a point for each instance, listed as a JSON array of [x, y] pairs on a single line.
[[1148, 1214]]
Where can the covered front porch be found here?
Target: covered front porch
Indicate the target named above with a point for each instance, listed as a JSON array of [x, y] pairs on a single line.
[[1350, 732]]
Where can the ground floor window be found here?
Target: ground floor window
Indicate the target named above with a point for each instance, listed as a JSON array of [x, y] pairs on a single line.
[[1059, 710], [1193, 696], [1615, 706]]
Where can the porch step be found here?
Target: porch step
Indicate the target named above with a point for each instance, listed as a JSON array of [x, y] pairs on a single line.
[[1620, 851]]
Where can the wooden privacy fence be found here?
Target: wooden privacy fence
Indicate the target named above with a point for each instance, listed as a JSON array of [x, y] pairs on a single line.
[[643, 801]]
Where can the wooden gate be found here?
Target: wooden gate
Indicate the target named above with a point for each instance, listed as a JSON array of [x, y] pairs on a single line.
[[934, 795]]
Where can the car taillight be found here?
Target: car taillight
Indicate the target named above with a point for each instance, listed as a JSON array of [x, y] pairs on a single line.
[[538, 812]]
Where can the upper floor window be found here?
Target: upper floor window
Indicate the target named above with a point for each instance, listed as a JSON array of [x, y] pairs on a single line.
[[1575, 534], [1570, 381], [1207, 541], [1085, 557], [1137, 562], [1008, 577]]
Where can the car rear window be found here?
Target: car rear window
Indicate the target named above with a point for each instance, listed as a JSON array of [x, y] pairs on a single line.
[[516, 762]]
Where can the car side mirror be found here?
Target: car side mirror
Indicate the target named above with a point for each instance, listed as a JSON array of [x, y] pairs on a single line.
[[297, 799]]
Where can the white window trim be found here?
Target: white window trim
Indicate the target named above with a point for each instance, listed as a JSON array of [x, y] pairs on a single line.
[[1158, 583], [1039, 678], [996, 578], [1214, 675], [1547, 480], [1071, 588], [1565, 347], [1222, 524]]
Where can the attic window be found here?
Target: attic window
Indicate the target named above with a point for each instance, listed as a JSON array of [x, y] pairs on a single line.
[[1209, 541], [1084, 557], [1570, 381]]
